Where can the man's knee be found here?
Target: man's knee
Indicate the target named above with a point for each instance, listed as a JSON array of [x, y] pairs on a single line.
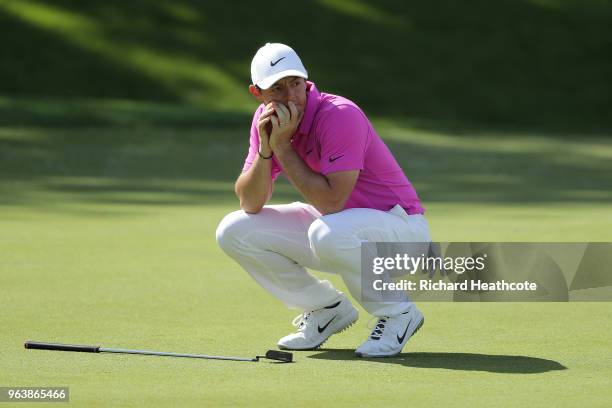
[[230, 231], [326, 239]]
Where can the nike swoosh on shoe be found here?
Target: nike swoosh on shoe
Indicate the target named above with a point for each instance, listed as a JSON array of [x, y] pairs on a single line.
[[322, 329], [401, 339]]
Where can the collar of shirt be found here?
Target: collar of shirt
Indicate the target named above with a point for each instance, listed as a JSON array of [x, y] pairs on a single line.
[[313, 98]]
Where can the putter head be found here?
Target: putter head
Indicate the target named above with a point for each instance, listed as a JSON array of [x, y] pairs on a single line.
[[279, 356]]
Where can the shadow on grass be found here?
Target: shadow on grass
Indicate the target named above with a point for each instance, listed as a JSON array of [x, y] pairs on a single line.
[[169, 166], [458, 71], [455, 361]]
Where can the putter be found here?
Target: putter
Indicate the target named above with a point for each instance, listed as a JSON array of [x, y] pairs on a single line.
[[270, 354]]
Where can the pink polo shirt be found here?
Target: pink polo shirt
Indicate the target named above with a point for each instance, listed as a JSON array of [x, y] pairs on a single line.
[[335, 135]]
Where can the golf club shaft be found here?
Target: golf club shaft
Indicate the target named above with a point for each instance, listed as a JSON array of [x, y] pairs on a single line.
[[162, 353], [96, 349]]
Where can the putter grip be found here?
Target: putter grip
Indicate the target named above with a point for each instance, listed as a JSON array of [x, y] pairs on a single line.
[[61, 347]]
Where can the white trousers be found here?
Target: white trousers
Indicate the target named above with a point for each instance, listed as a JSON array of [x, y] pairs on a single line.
[[276, 245]]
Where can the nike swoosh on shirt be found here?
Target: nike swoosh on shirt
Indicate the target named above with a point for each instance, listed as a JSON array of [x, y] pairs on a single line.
[[400, 340], [333, 159], [321, 329], [276, 62]]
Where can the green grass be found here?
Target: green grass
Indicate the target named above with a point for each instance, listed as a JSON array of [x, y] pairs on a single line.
[[124, 124], [107, 237]]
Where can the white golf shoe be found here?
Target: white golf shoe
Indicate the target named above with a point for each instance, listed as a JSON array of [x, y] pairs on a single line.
[[315, 327], [391, 334]]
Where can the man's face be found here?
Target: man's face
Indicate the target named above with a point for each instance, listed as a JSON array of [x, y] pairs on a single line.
[[284, 90]]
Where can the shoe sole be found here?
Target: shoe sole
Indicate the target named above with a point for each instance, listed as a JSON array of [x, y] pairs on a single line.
[[343, 326], [363, 355]]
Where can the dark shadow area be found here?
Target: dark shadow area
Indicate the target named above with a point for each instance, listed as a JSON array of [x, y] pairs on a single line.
[[42, 64], [455, 361], [160, 166], [541, 66], [156, 69], [549, 174]]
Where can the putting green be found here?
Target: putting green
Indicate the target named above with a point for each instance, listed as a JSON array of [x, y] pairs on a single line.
[[107, 237]]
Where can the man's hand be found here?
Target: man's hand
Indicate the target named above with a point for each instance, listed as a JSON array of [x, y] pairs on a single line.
[[284, 125], [264, 127]]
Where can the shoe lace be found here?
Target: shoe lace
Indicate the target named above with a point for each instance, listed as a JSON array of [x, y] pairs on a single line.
[[300, 320], [377, 332]]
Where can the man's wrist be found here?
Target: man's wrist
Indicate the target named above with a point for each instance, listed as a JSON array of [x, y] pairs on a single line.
[[265, 155], [282, 149]]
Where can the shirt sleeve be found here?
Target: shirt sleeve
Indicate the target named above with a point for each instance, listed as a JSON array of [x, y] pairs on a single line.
[[343, 140], [254, 147], [253, 141]]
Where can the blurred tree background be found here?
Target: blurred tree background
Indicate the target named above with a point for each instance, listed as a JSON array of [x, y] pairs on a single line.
[[145, 102], [513, 64]]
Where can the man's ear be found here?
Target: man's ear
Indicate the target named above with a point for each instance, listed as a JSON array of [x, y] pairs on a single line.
[[256, 93]]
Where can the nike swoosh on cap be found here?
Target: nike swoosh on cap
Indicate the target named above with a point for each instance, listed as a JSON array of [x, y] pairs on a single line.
[[276, 62], [333, 159]]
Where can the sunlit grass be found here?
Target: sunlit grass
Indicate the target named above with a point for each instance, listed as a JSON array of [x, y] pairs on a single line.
[[587, 146], [194, 166], [107, 236], [363, 10], [182, 12]]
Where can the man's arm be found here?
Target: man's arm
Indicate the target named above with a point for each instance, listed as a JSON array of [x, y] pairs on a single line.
[[328, 194], [254, 187]]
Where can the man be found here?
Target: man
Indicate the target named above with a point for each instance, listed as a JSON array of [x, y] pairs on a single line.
[[356, 192]]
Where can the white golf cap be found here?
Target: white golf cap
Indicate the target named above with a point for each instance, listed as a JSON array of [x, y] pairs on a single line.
[[274, 61]]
